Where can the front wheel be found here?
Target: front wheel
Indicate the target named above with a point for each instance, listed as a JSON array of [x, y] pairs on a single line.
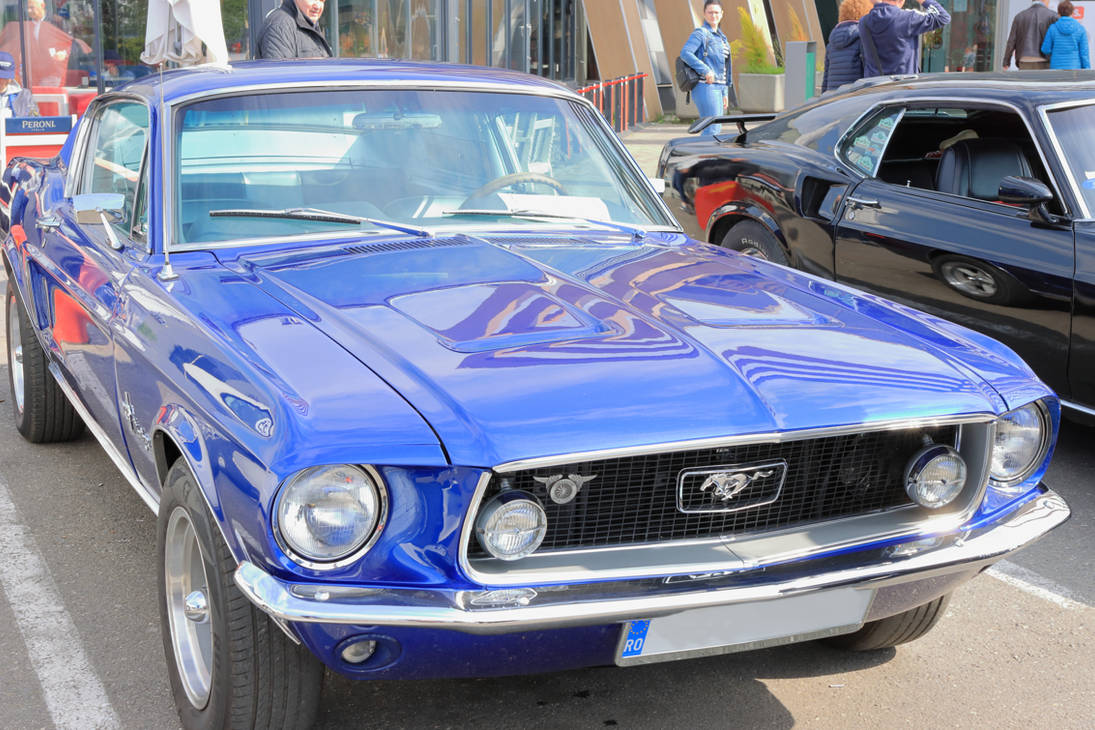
[[753, 239], [229, 664], [894, 630], [42, 412]]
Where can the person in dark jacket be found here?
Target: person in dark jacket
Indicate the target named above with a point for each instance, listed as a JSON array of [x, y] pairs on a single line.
[[1066, 41], [894, 35], [844, 55], [1028, 30], [290, 31]]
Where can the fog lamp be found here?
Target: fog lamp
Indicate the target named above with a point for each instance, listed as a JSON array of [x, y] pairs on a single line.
[[358, 651], [935, 476], [511, 526]]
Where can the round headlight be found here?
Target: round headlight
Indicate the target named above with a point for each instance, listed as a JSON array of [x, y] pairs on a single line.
[[1019, 445], [935, 476], [511, 526], [328, 512]]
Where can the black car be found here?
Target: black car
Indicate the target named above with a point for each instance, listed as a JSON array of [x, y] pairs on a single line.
[[969, 196]]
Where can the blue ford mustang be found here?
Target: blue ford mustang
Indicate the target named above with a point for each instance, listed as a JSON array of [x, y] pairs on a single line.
[[422, 379]]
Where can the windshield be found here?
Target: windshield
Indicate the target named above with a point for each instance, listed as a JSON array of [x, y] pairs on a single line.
[[424, 160], [1072, 127]]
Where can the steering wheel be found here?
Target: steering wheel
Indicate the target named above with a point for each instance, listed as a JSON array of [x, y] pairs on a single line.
[[518, 177]]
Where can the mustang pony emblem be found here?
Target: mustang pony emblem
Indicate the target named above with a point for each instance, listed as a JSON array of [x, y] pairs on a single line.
[[725, 486], [563, 489]]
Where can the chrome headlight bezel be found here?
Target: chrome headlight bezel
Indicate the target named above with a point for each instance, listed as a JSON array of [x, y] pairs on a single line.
[[360, 547], [1045, 427]]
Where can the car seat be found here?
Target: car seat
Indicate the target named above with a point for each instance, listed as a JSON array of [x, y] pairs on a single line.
[[974, 168]]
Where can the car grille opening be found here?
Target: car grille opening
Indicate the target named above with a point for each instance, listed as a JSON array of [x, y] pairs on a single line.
[[634, 500]]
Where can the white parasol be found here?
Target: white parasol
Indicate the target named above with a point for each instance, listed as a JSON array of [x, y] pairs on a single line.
[[178, 29]]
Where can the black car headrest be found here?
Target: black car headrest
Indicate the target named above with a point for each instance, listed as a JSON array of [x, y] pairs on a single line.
[[975, 167]]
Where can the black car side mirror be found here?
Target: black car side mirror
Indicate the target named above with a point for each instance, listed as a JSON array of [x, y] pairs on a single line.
[[1032, 193]]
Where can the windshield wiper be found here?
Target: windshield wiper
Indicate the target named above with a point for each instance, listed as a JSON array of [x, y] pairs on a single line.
[[637, 233], [315, 214]]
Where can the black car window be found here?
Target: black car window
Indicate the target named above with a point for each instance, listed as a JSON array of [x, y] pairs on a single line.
[[864, 147], [115, 154], [964, 151], [817, 127], [1072, 128]]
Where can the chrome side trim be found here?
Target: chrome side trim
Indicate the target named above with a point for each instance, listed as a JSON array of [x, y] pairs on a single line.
[[754, 438], [1078, 407], [603, 603], [131, 476]]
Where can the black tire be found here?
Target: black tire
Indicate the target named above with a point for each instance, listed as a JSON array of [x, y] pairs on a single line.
[[753, 239], [899, 629], [977, 279], [42, 412], [257, 677]]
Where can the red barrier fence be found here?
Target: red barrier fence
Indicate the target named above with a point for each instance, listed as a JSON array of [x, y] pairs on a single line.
[[620, 100]]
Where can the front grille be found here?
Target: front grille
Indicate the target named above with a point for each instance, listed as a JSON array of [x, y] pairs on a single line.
[[634, 500]]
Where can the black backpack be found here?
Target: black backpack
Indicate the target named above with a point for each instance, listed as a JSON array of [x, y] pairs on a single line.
[[687, 78]]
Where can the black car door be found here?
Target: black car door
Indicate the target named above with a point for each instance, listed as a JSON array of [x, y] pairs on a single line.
[[974, 261]]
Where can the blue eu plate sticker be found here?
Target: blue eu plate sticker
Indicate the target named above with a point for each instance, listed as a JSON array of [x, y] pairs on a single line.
[[636, 637]]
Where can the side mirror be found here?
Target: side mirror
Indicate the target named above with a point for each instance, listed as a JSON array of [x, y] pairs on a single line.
[[1023, 191], [105, 208], [658, 184], [1034, 194]]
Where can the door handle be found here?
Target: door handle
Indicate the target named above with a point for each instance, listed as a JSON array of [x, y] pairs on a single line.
[[863, 203], [48, 223]]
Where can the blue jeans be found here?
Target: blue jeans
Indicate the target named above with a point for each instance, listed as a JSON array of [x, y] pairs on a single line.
[[710, 101]]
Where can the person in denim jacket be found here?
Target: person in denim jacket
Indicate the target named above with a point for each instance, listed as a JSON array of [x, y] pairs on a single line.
[[707, 51]]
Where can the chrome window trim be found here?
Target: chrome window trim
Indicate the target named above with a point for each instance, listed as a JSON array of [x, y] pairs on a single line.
[[959, 101], [1043, 113], [1078, 407], [169, 147], [722, 554]]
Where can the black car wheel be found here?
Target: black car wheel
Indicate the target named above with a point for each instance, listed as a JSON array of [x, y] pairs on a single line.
[[976, 279], [229, 664], [42, 412], [753, 239], [894, 630]]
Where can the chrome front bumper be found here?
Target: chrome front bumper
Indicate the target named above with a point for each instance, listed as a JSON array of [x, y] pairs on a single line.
[[501, 611]]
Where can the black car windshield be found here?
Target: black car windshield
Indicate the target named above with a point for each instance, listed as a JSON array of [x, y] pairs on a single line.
[[397, 156], [1072, 127]]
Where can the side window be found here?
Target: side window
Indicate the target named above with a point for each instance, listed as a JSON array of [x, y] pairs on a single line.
[[115, 153], [864, 148], [962, 151]]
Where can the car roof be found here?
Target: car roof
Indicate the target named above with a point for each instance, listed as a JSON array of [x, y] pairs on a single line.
[[1029, 89], [186, 82]]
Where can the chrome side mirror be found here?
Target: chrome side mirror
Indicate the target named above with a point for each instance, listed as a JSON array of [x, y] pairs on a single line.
[[658, 184], [105, 208]]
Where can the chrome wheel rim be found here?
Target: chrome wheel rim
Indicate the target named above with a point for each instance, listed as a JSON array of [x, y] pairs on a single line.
[[972, 280], [188, 615], [15, 352]]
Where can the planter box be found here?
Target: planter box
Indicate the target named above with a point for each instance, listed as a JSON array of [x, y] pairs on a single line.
[[760, 92]]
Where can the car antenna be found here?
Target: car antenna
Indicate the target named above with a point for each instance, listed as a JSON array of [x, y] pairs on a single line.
[[167, 273]]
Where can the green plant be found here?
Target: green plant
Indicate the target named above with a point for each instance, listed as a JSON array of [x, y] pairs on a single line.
[[751, 50]]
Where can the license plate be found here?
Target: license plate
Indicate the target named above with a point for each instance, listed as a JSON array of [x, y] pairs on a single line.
[[742, 626]]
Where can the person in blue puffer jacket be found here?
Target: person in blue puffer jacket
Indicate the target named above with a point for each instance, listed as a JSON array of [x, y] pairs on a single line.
[[844, 54], [707, 51], [1066, 41]]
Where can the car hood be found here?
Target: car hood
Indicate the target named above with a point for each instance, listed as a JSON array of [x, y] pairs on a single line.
[[524, 346]]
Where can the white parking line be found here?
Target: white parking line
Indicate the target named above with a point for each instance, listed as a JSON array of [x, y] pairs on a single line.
[[1034, 584], [74, 696]]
